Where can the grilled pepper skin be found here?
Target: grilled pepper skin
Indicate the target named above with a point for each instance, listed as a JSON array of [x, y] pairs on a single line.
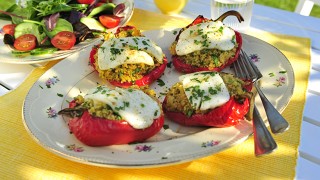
[[95, 131], [226, 115]]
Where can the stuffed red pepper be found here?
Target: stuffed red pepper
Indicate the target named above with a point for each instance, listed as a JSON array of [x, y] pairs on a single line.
[[128, 58], [107, 116], [208, 99], [205, 45]]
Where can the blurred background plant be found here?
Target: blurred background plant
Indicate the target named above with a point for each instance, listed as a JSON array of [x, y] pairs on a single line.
[[288, 5]]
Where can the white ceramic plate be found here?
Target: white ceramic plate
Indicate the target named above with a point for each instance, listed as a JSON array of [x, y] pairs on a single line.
[[6, 55], [174, 143]]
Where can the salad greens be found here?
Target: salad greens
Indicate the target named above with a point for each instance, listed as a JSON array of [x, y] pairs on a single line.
[[49, 7], [46, 18], [61, 25]]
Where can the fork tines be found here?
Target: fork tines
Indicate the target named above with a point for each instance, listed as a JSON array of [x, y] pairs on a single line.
[[246, 69]]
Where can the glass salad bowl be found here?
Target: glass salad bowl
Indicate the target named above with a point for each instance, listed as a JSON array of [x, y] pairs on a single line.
[[121, 9]]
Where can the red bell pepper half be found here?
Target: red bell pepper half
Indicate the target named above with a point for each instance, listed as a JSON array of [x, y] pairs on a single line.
[[181, 66], [229, 114], [145, 80], [95, 131]]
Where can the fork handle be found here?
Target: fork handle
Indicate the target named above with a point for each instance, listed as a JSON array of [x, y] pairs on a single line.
[[277, 123], [263, 141]]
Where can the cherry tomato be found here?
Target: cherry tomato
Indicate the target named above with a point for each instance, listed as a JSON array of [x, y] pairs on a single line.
[[94, 131], [64, 40], [109, 21], [25, 42], [9, 29]]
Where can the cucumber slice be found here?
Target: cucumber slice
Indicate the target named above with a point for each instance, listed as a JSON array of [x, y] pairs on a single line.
[[93, 24], [106, 8], [20, 53], [41, 51]]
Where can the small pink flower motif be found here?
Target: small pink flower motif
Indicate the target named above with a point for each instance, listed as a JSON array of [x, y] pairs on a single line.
[[74, 148], [210, 143], [52, 113], [254, 57], [280, 81], [144, 148], [52, 81]]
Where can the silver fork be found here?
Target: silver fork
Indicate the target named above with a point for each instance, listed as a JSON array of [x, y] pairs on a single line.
[[276, 121], [263, 141]]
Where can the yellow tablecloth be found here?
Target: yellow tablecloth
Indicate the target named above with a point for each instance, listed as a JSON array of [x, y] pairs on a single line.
[[22, 158]]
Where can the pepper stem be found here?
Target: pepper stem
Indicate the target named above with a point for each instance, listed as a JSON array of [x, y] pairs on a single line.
[[230, 13]]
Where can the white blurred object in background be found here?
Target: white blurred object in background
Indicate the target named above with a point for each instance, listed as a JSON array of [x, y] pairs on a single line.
[[244, 7]]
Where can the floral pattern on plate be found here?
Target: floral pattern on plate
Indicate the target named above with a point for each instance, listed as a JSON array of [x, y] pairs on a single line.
[[52, 113], [74, 148]]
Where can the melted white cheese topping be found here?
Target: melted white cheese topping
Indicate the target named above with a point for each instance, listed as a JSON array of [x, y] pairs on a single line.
[[205, 90], [134, 106], [208, 35], [128, 50]]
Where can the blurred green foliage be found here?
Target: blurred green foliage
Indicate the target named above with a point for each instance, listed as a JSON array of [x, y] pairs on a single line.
[[288, 5], [5, 4]]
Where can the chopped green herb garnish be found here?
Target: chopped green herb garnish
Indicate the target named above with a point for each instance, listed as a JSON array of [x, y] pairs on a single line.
[[197, 42], [135, 40], [200, 31], [160, 82], [103, 48], [212, 91], [233, 40], [206, 98], [163, 94], [189, 113], [133, 47], [271, 74], [115, 51], [126, 104], [145, 43], [103, 91], [215, 60], [196, 80]]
